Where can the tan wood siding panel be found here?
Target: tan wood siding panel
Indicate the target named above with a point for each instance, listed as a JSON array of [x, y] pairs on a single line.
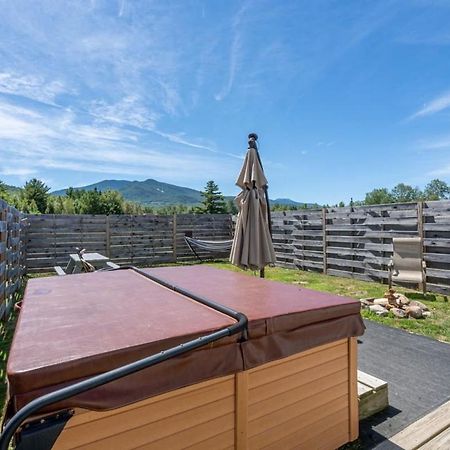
[[288, 366], [298, 394], [221, 441], [287, 397], [289, 402], [157, 419], [332, 436], [312, 417], [180, 400], [353, 410], [154, 436]]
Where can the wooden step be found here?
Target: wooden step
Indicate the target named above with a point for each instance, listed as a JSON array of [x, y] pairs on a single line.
[[372, 395]]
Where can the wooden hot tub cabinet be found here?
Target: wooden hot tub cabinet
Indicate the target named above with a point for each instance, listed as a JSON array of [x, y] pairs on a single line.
[[290, 382], [308, 400]]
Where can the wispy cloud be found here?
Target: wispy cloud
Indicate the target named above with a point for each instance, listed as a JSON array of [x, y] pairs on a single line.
[[436, 105], [235, 50], [35, 142], [435, 144], [122, 7], [21, 172], [127, 111], [30, 86], [443, 171]]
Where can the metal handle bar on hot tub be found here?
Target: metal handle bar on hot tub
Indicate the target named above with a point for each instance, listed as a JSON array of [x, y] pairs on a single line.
[[99, 380]]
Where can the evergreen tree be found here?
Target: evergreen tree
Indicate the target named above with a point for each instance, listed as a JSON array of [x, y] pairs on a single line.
[[213, 200], [35, 196]]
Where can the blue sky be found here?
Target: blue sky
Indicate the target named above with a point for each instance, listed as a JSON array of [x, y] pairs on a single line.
[[345, 95]]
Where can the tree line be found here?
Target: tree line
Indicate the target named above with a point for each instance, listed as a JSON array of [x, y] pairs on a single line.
[[34, 198], [402, 193]]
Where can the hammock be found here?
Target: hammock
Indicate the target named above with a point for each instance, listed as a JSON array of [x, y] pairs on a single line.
[[209, 246]]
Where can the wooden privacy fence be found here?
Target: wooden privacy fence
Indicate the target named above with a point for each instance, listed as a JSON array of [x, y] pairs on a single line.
[[12, 255], [357, 242], [126, 239]]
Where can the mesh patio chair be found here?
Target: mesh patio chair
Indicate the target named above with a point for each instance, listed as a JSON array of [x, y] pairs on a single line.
[[407, 263]]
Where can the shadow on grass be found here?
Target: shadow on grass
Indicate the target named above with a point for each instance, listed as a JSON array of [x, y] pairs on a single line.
[[421, 296]]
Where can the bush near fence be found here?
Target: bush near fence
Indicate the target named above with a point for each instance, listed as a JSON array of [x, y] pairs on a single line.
[[357, 242], [12, 255], [126, 239]]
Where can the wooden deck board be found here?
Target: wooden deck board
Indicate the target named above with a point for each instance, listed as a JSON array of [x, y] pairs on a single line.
[[422, 432], [440, 442]]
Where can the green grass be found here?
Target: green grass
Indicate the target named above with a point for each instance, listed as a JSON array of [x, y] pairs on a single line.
[[6, 335], [437, 326]]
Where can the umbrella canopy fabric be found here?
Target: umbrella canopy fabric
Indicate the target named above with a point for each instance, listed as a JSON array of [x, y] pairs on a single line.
[[252, 244]]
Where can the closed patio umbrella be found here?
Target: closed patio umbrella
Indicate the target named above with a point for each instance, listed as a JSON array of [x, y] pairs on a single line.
[[252, 244]]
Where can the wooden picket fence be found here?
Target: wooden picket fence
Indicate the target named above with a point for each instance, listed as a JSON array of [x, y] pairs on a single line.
[[12, 256], [126, 239], [357, 242]]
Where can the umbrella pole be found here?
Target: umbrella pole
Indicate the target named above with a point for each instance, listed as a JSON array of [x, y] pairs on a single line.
[[252, 138]]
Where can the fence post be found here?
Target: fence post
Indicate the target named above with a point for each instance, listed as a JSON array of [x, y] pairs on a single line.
[[24, 245], [421, 233], [420, 230], [174, 236], [324, 237], [108, 238]]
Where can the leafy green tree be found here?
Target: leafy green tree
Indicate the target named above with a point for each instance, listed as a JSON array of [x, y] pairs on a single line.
[[88, 202], [111, 202], [378, 197], [35, 196], [436, 190], [213, 200], [4, 195], [403, 193]]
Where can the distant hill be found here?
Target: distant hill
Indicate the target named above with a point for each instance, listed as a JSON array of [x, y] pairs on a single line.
[[289, 202], [13, 189], [155, 193], [149, 192]]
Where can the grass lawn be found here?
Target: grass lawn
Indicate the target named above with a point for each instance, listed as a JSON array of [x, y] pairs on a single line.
[[6, 334], [437, 326]]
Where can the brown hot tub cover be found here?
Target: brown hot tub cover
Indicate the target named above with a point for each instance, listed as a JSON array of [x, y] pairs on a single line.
[[74, 327]]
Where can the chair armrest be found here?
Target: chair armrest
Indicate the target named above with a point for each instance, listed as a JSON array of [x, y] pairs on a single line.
[[59, 270], [391, 264], [112, 265]]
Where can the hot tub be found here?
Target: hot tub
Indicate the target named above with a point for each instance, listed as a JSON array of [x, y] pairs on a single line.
[[285, 380]]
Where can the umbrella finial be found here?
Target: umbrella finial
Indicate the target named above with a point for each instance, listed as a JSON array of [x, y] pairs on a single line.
[[252, 138]]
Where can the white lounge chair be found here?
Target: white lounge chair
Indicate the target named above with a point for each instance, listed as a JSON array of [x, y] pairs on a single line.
[[407, 263]]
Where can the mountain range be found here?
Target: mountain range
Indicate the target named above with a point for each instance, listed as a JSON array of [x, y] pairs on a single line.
[[156, 193]]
